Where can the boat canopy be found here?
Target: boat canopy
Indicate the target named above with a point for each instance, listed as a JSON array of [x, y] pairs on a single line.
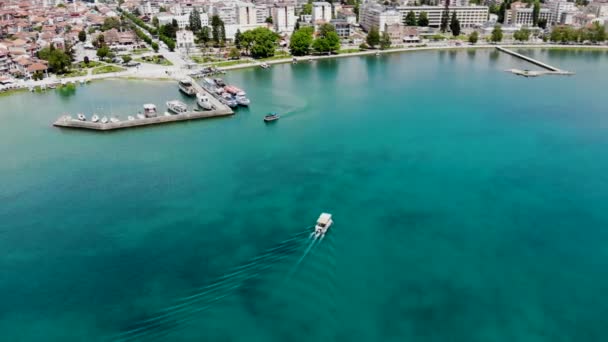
[[324, 218], [149, 106], [185, 81]]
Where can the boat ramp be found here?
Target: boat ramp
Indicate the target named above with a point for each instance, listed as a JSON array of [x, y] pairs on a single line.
[[220, 110]]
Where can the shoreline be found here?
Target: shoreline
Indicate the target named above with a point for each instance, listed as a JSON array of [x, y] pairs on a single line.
[[174, 74]]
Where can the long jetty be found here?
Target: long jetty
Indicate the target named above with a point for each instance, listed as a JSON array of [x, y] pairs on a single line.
[[219, 111], [551, 70]]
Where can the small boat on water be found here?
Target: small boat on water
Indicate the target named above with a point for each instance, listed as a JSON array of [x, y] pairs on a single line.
[[186, 87], [95, 118], [271, 117], [149, 110], [219, 82], [177, 107], [323, 223], [229, 100], [81, 117], [242, 100], [130, 118], [114, 119], [233, 90], [203, 102], [264, 65], [141, 116], [104, 120], [81, 82]]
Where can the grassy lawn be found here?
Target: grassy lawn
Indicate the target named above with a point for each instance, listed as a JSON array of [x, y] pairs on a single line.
[[274, 58], [74, 73], [107, 69], [154, 60], [140, 51], [349, 50], [82, 65], [231, 63]]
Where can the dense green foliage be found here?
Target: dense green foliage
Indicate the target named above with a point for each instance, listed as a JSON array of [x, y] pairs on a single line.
[[496, 34], [301, 41], [566, 34], [217, 27], [110, 23], [410, 19], [455, 25], [328, 40], [204, 35], [473, 37], [260, 42], [385, 41], [522, 35], [373, 37], [535, 12], [423, 19], [445, 15], [82, 36], [59, 61], [195, 21]]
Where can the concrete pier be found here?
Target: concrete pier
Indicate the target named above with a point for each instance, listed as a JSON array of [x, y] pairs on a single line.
[[219, 111], [551, 69]]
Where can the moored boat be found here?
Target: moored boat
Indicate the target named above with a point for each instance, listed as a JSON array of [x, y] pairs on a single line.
[[104, 120], [95, 118], [141, 116], [229, 100], [264, 65], [186, 87], [203, 102], [149, 110], [271, 117], [81, 117], [219, 82], [114, 119], [242, 101], [130, 118], [177, 107]]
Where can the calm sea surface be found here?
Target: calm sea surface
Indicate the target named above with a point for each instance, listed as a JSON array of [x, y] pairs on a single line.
[[469, 205]]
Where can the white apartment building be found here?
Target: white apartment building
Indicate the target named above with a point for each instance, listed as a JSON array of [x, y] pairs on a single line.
[[246, 13], [182, 20], [376, 16], [468, 16], [262, 12], [184, 40], [557, 7], [521, 15], [454, 3], [149, 9], [283, 17], [321, 12], [599, 9], [227, 12]]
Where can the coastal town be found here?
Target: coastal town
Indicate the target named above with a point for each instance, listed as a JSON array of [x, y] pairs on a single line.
[[53, 40]]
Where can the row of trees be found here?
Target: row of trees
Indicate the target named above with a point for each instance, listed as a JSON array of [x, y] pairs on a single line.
[[302, 42], [374, 38], [567, 34], [60, 61], [411, 20], [164, 32]]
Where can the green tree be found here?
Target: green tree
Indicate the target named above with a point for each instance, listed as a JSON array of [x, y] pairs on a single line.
[[473, 37], [301, 40], [99, 41], [297, 25], [496, 34], [59, 61], [307, 9], [86, 60], [82, 36], [522, 34], [542, 23], [423, 19], [204, 35], [328, 40], [195, 21], [154, 46], [455, 25], [38, 75], [269, 20], [373, 37], [234, 53], [175, 24], [385, 41], [168, 30], [162, 9], [410, 19], [216, 23], [535, 13], [126, 59], [103, 52], [445, 17], [260, 42], [237, 39], [155, 22], [110, 23]]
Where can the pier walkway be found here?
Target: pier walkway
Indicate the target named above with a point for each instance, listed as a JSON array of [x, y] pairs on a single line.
[[551, 69], [219, 111]]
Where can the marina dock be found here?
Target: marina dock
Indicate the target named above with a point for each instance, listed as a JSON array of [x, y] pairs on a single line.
[[219, 111], [550, 70]]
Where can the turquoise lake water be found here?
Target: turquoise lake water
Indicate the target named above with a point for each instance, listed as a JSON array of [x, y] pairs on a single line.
[[469, 205]]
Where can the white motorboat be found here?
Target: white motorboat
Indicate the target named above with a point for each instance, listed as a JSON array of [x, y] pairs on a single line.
[[81, 82], [242, 100], [323, 224], [81, 117], [186, 87], [130, 118], [149, 110], [104, 120], [177, 107], [114, 119], [95, 118], [203, 102], [141, 116], [265, 65]]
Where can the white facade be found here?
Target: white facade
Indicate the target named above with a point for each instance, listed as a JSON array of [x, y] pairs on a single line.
[[455, 3], [227, 12], [468, 16], [557, 7], [321, 12], [519, 15], [599, 9], [262, 12], [376, 16], [184, 40], [283, 18], [246, 13], [182, 20]]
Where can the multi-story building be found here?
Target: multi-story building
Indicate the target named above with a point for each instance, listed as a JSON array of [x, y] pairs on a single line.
[[557, 7], [245, 13], [227, 12], [182, 20], [520, 14], [599, 9], [283, 17], [343, 28], [321, 12], [468, 16], [454, 3], [376, 16], [184, 40], [262, 13]]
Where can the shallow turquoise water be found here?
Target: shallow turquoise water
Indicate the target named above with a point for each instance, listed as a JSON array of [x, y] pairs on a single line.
[[470, 205]]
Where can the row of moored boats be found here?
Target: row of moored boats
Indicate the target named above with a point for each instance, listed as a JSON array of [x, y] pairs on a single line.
[[227, 94]]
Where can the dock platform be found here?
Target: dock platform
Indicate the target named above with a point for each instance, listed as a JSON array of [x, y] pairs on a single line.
[[550, 70], [219, 111]]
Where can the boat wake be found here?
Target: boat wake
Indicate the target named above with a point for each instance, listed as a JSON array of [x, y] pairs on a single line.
[[185, 309]]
